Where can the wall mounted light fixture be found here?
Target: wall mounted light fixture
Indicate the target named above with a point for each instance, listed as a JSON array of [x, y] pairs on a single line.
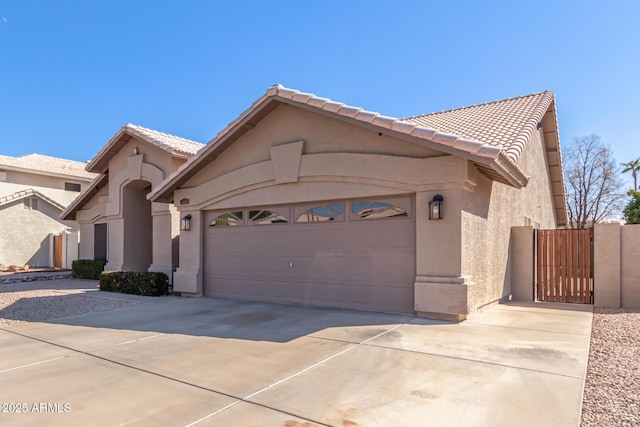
[[185, 222], [435, 207]]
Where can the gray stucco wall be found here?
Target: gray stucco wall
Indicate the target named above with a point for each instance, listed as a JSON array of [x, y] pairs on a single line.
[[630, 266], [24, 233], [488, 215]]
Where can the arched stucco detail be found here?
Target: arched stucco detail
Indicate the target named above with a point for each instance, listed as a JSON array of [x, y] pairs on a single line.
[[136, 170], [331, 176]]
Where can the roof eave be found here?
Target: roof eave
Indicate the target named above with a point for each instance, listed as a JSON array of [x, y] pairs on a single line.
[[477, 152], [70, 212], [241, 125], [46, 173], [100, 163], [31, 192]]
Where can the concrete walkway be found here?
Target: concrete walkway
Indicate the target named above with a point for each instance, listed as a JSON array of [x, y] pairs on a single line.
[[211, 362]]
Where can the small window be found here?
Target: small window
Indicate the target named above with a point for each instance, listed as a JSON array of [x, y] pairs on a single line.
[[267, 217], [229, 219], [71, 186], [322, 213], [377, 210]]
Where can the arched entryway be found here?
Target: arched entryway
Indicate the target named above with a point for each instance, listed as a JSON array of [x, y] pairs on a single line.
[[138, 226]]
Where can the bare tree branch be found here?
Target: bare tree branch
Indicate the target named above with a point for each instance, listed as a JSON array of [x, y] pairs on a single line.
[[594, 189]]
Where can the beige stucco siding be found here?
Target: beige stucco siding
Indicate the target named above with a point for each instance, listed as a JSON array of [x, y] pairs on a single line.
[[321, 135], [52, 187], [152, 155], [487, 217], [141, 234], [293, 156]]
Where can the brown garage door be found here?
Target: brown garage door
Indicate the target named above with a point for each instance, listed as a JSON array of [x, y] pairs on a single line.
[[350, 254]]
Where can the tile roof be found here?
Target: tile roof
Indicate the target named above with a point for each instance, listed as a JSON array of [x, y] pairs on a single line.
[[492, 136], [174, 145], [494, 152], [45, 165], [26, 193], [506, 124]]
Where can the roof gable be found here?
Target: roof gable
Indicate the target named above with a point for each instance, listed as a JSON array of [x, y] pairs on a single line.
[[6, 200], [174, 145], [495, 153]]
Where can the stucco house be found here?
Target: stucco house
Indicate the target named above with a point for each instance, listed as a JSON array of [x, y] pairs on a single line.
[[117, 222], [309, 201], [34, 190]]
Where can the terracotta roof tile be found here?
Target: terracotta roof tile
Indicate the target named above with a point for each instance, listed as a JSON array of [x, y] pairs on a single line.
[[175, 145], [45, 165], [493, 134], [506, 124], [172, 143]]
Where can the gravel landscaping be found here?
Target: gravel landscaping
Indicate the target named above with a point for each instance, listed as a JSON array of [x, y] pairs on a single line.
[[612, 387], [38, 301]]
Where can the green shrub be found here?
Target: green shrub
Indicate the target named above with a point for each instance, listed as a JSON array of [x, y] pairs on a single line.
[[87, 269], [632, 211], [128, 282]]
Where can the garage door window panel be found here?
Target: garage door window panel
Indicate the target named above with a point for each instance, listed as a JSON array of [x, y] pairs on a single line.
[[228, 219], [371, 210], [267, 217], [323, 213]]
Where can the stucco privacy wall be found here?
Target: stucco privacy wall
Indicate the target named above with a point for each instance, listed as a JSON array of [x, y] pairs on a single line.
[[616, 271], [616, 267]]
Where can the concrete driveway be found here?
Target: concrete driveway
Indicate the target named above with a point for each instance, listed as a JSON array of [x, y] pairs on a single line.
[[212, 362]]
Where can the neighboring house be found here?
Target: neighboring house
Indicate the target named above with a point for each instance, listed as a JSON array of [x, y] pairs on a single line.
[[34, 190], [308, 201], [117, 222]]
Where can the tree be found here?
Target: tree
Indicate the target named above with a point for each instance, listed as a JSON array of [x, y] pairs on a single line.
[[632, 211], [592, 181], [633, 167]]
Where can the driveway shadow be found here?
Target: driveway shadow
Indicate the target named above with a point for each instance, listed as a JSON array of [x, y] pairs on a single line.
[[206, 317]]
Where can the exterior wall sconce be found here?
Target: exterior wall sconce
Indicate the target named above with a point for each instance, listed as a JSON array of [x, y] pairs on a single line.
[[435, 207], [185, 222]]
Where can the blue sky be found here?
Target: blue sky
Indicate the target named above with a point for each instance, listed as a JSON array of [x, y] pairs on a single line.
[[73, 72]]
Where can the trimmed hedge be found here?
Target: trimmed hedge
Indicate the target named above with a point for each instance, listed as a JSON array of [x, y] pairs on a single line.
[[87, 269], [149, 284]]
